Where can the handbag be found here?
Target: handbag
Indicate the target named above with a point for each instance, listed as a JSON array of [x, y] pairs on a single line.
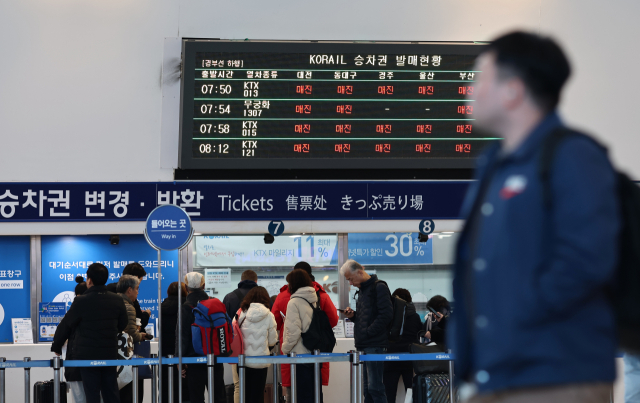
[[143, 350], [237, 345], [429, 366], [125, 352]]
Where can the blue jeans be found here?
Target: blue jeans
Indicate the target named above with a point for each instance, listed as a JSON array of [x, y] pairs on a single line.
[[372, 373], [631, 378]]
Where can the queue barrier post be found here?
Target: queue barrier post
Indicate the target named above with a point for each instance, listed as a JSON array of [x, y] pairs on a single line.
[[361, 370], [2, 381], [452, 398], [211, 360], [134, 383], [170, 380], [57, 365], [317, 381], [154, 381], [241, 379], [27, 381], [275, 396], [293, 389], [354, 375]]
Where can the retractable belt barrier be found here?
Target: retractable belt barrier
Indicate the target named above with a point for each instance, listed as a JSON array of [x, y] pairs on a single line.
[[355, 358]]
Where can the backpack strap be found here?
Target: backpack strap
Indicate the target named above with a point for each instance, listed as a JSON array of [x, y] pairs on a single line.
[[310, 304], [547, 158]]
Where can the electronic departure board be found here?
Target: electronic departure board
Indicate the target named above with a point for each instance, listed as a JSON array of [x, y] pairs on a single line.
[[337, 105]]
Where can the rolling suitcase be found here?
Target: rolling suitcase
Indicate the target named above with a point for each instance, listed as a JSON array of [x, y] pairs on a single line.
[[431, 388], [43, 392]]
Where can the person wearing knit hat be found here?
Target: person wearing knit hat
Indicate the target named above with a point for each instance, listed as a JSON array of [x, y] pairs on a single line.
[[197, 373]]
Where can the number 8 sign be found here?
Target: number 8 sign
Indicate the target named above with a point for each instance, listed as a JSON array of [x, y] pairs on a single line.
[[427, 227]]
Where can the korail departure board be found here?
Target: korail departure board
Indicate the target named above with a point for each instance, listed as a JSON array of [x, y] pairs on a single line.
[[331, 105]]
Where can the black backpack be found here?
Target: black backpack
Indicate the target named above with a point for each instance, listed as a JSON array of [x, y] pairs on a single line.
[[396, 327], [625, 292], [320, 335]]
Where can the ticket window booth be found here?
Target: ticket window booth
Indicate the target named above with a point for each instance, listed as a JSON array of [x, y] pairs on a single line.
[[423, 268]]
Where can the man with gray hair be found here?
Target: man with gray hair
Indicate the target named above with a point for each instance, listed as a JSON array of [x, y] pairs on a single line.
[[372, 319]]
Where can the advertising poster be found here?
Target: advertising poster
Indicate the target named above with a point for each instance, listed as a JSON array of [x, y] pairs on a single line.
[[395, 248], [65, 257], [49, 316], [14, 284], [233, 251], [22, 330]]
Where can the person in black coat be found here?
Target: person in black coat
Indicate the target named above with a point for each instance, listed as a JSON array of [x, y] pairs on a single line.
[[96, 317], [232, 301], [394, 370], [72, 374], [435, 324], [197, 373], [372, 317], [169, 315]]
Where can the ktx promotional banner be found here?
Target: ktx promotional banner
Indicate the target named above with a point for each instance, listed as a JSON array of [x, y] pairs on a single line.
[[272, 200], [14, 283], [65, 257], [234, 251], [396, 248]]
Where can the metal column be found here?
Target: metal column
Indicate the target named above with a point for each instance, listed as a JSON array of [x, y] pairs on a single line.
[[275, 396], [361, 370], [27, 382], [355, 362], [2, 382], [154, 381], [452, 398], [134, 383], [241, 377], [211, 360], [159, 327], [57, 365], [170, 385], [294, 389], [317, 381], [343, 284]]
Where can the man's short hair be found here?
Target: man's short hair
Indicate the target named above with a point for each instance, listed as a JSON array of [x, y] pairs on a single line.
[[538, 61], [249, 275], [98, 274], [127, 281], [350, 266], [134, 269]]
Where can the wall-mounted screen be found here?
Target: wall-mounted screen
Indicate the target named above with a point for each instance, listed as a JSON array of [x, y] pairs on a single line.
[[314, 105]]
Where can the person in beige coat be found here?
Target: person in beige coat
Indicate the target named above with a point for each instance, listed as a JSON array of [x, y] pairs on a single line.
[[297, 322]]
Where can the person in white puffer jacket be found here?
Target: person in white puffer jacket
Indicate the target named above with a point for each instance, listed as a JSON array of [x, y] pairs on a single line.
[[297, 322], [259, 334]]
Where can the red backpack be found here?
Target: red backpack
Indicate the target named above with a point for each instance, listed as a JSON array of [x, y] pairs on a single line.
[[211, 332]]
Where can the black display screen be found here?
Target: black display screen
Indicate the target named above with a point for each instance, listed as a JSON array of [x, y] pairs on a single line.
[[274, 105]]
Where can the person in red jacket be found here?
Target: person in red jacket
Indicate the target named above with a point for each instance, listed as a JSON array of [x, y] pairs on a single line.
[[279, 310]]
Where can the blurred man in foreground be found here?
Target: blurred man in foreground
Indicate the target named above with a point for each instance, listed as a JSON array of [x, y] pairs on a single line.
[[532, 321]]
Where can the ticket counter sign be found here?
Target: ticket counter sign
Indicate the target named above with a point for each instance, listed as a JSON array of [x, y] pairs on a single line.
[[49, 316]]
